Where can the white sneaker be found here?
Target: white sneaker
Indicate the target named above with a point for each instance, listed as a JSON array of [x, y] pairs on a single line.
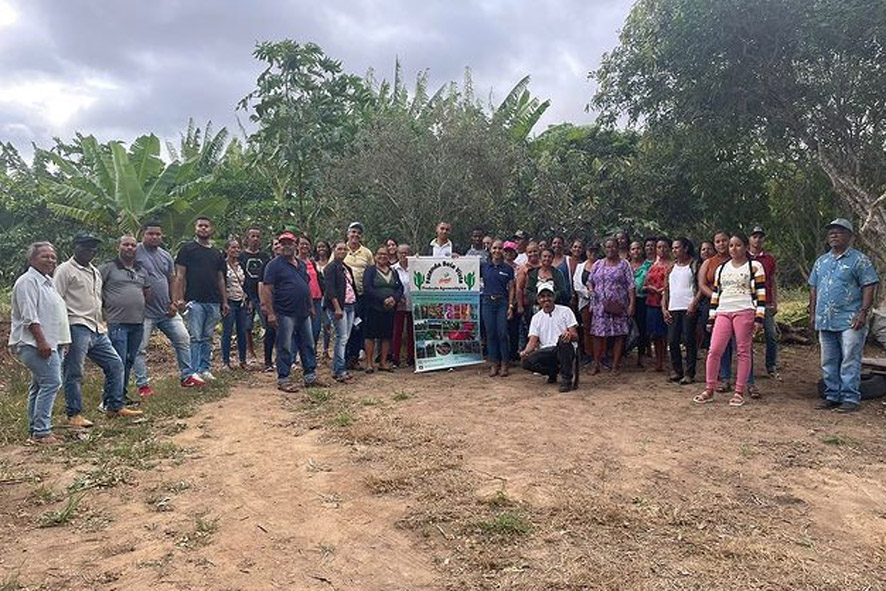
[[196, 377], [207, 376]]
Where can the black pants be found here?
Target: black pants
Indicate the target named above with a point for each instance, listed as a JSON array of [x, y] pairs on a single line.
[[643, 347], [682, 330], [551, 361], [514, 336]]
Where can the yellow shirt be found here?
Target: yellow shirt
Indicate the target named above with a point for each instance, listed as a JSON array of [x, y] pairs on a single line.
[[81, 289], [358, 260]]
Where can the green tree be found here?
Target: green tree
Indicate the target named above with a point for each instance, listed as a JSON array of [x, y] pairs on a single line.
[[803, 76]]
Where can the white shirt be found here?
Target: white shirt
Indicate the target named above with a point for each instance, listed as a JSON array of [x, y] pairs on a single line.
[[521, 259], [549, 327], [404, 279], [35, 301], [737, 287], [438, 250], [680, 287]]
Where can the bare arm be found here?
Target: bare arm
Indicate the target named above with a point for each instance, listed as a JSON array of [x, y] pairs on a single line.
[[867, 300], [266, 296], [223, 290], [703, 286], [812, 294], [531, 345], [178, 283]]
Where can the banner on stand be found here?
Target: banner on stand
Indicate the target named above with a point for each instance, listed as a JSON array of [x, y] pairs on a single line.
[[445, 296]]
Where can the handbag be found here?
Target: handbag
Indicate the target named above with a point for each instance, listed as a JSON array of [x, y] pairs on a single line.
[[614, 308]]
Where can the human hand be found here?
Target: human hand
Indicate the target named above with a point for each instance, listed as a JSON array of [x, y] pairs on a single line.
[[272, 320], [43, 349], [668, 317]]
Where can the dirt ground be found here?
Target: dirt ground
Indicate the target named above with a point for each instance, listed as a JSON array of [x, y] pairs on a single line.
[[453, 480]]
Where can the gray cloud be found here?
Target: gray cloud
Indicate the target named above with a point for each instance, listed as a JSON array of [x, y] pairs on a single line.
[[119, 69]]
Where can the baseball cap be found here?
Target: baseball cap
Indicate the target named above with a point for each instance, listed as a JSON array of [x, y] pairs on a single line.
[[287, 235], [841, 223], [355, 226], [758, 230], [86, 238], [544, 286], [509, 244], [520, 235]]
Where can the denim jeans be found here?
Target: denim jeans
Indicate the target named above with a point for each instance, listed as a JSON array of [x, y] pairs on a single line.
[[289, 328], [342, 328], [494, 313], [175, 331], [317, 321], [86, 343], [771, 334], [238, 317], [841, 363], [202, 319], [46, 379], [126, 339]]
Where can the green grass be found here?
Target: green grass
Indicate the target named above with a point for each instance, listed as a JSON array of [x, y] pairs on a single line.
[[319, 395], [63, 515], [370, 401], [401, 395], [343, 419], [505, 524], [837, 439], [43, 495], [202, 533]]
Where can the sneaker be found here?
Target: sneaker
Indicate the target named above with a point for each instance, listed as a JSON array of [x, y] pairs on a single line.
[[270, 369], [193, 381], [196, 377], [754, 391], [317, 384], [847, 407], [207, 376], [101, 406], [552, 379], [674, 377], [123, 412], [145, 391], [686, 380], [565, 385], [49, 439], [79, 422], [827, 405]]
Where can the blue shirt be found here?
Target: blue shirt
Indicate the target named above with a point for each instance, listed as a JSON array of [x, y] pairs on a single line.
[[496, 278], [292, 290], [838, 281]]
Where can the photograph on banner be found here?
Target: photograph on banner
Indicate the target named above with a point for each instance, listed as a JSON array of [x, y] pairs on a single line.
[[445, 299]]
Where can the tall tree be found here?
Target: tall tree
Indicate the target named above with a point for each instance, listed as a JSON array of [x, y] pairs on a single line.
[[802, 75]]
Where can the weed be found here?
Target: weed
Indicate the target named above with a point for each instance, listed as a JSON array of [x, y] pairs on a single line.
[[203, 530], [109, 474], [11, 582], [401, 395], [319, 395], [370, 401], [43, 495], [343, 419], [505, 524], [838, 439], [61, 516], [499, 500], [746, 451], [178, 487]]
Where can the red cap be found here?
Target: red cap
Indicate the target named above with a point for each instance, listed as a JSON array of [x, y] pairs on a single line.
[[287, 235]]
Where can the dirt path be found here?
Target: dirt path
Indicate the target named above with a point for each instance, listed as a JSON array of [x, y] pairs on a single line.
[[457, 481]]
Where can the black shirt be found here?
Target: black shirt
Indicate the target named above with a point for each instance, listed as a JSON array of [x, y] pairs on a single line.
[[203, 264], [292, 292], [253, 264]]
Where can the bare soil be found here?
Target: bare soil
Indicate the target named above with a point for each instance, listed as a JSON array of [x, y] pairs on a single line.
[[453, 480]]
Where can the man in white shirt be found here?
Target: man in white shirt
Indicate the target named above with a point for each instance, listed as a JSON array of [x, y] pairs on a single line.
[[441, 246], [551, 348]]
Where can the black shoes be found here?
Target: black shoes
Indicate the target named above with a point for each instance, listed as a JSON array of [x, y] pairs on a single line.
[[827, 405], [847, 407]]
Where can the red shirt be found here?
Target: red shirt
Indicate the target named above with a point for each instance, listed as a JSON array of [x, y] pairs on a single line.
[[313, 280], [768, 262], [656, 277]]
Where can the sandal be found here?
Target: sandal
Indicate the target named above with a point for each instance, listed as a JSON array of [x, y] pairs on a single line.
[[369, 369], [753, 391], [386, 368], [736, 400], [703, 398]]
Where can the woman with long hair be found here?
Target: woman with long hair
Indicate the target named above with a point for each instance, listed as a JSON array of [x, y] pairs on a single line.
[[640, 266], [315, 282], [738, 306], [612, 294], [706, 275], [580, 279], [654, 288], [322, 254], [238, 316], [382, 289], [679, 306]]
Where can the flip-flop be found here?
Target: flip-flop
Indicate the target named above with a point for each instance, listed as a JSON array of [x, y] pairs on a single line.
[[736, 400], [703, 398]]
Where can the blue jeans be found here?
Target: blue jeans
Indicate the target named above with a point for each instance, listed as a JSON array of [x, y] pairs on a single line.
[[343, 328], [289, 328], [202, 319], [494, 313], [175, 331], [841, 363], [771, 334], [239, 317], [126, 339], [317, 321], [46, 379], [86, 343]]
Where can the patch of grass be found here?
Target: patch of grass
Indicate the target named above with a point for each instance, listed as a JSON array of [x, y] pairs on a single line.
[[160, 503], [370, 401], [319, 395], [401, 395], [837, 439], [745, 451], [43, 495], [11, 581], [63, 515], [499, 500], [506, 524], [343, 419], [204, 529], [106, 475]]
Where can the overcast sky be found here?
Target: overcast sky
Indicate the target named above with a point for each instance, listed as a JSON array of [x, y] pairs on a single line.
[[121, 68]]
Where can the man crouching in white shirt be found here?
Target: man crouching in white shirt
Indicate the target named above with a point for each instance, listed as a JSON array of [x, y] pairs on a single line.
[[553, 333]]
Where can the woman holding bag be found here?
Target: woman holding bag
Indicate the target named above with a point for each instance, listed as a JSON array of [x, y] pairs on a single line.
[[612, 295]]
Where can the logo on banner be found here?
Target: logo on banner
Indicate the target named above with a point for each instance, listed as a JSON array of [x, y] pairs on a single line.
[[444, 275]]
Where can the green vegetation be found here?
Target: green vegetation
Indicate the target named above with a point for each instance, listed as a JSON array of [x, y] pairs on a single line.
[[343, 419], [505, 524], [63, 515]]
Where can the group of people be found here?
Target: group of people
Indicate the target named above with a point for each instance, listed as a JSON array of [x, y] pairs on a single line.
[[547, 306]]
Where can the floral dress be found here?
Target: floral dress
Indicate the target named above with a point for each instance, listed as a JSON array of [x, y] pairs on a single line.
[[611, 284]]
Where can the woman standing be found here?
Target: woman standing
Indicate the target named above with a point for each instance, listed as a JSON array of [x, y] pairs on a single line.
[[654, 288], [322, 254], [509, 253], [238, 316], [382, 289], [640, 266], [705, 251], [679, 306], [580, 279], [496, 308], [314, 282], [612, 293], [340, 298], [706, 276], [546, 271], [738, 306]]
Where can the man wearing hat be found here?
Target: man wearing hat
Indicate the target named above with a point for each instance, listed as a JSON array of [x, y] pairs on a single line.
[[521, 239], [842, 285], [553, 333], [286, 296], [79, 284], [358, 259], [756, 252]]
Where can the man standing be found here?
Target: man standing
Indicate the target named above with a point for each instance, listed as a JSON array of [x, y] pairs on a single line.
[[358, 259], [478, 248], [161, 313], [200, 285], [553, 333], [286, 295], [403, 316], [79, 284], [441, 245], [39, 331], [124, 284], [842, 285], [521, 238], [756, 252], [253, 260]]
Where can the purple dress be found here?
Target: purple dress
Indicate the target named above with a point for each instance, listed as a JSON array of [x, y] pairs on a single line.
[[610, 284]]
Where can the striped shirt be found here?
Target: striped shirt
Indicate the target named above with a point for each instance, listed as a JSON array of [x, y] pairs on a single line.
[[739, 288]]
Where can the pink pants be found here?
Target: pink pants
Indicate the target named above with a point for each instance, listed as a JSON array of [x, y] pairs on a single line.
[[741, 324]]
